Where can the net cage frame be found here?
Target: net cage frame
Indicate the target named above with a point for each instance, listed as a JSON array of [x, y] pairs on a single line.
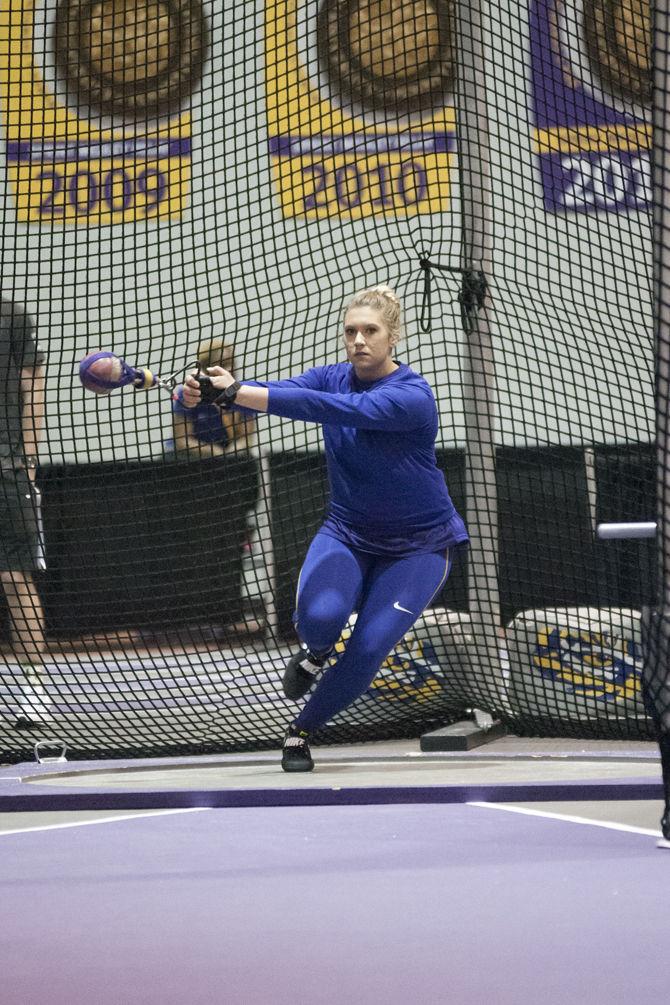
[[456, 266]]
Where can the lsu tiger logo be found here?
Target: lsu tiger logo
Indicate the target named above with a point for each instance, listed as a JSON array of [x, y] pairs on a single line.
[[596, 664], [409, 673]]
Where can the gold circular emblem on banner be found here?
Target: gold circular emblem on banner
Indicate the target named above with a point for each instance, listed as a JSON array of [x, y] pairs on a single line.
[[392, 56], [618, 41], [137, 59]]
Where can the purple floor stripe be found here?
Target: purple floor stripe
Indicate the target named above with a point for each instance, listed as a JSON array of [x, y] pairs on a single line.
[[19, 798]]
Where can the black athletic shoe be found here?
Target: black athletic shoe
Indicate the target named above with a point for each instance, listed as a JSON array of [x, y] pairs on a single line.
[[301, 672], [295, 755], [664, 842]]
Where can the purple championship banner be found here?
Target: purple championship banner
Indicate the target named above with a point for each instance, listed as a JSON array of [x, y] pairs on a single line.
[[591, 104]]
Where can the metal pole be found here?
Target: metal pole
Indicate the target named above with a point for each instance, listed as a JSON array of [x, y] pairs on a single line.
[[624, 531], [661, 178], [264, 524], [656, 623], [480, 398]]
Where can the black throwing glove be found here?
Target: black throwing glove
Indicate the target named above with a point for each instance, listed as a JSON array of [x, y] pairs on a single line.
[[208, 392]]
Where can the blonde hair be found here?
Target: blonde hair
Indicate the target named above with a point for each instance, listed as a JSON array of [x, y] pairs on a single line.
[[383, 300], [215, 352]]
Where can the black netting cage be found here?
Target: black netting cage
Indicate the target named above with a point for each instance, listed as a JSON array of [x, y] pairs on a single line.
[[189, 184]]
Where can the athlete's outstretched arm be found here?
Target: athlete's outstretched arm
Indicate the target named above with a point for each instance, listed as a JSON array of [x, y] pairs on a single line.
[[253, 395], [394, 409]]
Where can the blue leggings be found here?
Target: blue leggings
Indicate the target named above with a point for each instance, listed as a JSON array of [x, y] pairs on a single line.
[[389, 595]]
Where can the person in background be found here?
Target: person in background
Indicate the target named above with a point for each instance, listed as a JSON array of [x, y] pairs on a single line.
[[21, 424], [205, 429]]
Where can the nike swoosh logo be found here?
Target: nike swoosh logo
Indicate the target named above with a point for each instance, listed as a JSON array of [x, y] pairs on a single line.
[[399, 608]]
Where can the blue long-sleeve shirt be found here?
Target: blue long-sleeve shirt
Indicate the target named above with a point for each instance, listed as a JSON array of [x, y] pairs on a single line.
[[388, 496]]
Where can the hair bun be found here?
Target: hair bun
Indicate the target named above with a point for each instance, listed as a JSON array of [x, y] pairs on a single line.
[[386, 291]]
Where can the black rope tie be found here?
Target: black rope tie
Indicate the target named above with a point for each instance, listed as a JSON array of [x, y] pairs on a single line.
[[426, 317], [471, 296]]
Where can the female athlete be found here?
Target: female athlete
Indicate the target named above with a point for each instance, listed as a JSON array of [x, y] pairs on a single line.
[[386, 545]]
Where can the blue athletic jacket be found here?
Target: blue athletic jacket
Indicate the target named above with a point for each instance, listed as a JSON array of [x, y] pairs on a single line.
[[388, 496]]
